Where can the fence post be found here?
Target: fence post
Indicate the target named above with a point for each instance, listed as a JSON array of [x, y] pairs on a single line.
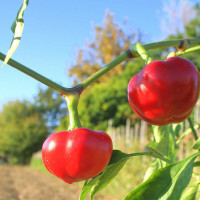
[[196, 111], [136, 130], [143, 129], [128, 127]]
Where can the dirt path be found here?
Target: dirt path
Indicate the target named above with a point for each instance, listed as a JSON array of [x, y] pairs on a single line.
[[7, 189], [25, 183]]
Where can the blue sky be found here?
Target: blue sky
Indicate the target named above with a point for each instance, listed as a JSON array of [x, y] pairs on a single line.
[[54, 30]]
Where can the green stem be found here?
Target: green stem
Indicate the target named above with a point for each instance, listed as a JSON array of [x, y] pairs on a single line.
[[189, 50], [140, 154], [131, 53], [172, 54], [60, 89], [179, 53], [72, 103], [151, 154], [142, 53], [168, 43], [102, 71], [192, 128], [32, 73], [162, 158]]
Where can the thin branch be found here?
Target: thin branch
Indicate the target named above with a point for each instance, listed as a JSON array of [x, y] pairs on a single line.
[[131, 53], [192, 128]]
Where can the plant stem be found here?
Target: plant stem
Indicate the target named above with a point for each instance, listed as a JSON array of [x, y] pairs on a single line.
[[189, 50], [32, 73], [169, 43], [39, 77], [179, 53], [192, 128], [131, 53], [151, 154], [143, 53], [172, 54], [72, 103], [162, 158], [102, 71], [140, 154]]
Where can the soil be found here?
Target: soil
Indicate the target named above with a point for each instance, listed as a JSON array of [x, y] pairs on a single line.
[[26, 183]]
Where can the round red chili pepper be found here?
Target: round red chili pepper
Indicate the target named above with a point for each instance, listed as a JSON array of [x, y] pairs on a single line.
[[77, 155], [165, 92]]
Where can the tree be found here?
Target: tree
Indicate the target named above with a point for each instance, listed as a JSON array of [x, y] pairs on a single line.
[[192, 29], [106, 101], [22, 131], [24, 125], [51, 106], [109, 101], [110, 40]]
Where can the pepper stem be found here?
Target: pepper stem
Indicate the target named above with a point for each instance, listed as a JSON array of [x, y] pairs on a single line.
[[72, 102], [171, 54], [141, 51]]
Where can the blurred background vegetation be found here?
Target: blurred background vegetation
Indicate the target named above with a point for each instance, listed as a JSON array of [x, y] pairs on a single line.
[[24, 125]]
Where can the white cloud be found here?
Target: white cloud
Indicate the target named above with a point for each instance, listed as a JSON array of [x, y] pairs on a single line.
[[175, 15]]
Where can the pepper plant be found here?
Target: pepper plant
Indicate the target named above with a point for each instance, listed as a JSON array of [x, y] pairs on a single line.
[[163, 93]]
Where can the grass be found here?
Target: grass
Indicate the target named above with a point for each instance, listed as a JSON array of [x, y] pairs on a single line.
[[37, 163], [130, 176]]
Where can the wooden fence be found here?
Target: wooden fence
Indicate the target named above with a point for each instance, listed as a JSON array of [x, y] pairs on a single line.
[[129, 134]]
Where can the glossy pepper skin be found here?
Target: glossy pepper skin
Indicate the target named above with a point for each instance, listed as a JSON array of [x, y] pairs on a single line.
[[77, 155], [165, 92]]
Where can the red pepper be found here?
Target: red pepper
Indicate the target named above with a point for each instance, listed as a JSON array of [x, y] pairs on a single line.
[[165, 92], [77, 155]]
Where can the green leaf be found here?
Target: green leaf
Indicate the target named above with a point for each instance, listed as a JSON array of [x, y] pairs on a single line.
[[191, 193], [155, 165], [166, 183], [17, 29], [196, 145], [117, 161], [97, 183], [156, 148], [194, 132], [87, 187], [176, 128], [164, 142], [117, 156], [107, 176], [197, 164]]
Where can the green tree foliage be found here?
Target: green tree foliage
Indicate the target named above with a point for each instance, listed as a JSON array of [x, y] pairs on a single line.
[[25, 125], [109, 101], [51, 106], [110, 40], [106, 101], [22, 131], [192, 29]]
